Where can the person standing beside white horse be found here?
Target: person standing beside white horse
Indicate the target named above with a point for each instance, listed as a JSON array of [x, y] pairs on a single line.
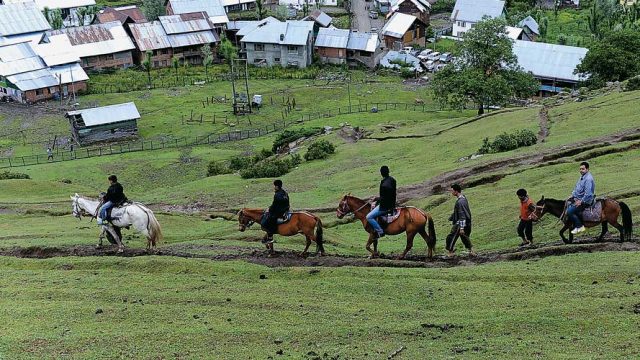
[[129, 214]]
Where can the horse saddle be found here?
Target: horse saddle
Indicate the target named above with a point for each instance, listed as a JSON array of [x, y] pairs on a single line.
[[593, 213], [285, 218], [388, 218]]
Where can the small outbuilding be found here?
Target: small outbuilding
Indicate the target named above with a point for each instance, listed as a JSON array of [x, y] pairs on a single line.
[[106, 123]]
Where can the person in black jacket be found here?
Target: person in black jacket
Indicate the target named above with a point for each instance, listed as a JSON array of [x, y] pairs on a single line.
[[278, 208], [461, 222], [386, 201], [114, 197]]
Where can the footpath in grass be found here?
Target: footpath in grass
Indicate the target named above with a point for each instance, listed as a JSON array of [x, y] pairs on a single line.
[[576, 306]]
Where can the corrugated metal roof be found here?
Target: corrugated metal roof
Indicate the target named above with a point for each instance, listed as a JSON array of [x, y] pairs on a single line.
[[150, 36], [34, 38], [185, 23], [332, 38], [121, 14], [549, 61], [236, 2], [513, 32], [395, 56], [295, 33], [32, 80], [213, 8], [107, 114], [55, 4], [244, 29], [422, 5], [67, 73], [531, 23], [321, 18], [57, 51], [363, 42], [398, 25], [475, 10], [24, 18], [19, 58], [193, 38], [98, 39]]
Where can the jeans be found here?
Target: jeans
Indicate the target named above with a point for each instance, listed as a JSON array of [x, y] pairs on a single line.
[[103, 210], [371, 218], [574, 213]]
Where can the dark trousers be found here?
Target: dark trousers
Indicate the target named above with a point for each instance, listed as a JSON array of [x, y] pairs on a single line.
[[525, 229], [270, 224], [455, 233]]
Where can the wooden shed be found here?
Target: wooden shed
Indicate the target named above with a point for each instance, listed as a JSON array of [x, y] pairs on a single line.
[[104, 123]]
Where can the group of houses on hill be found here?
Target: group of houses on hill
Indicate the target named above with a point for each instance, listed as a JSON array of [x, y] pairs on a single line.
[[38, 62]]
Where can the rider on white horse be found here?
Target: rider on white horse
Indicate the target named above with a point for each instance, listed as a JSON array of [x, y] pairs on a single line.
[[114, 197]]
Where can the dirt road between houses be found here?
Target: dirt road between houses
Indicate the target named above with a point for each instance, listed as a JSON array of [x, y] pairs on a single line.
[[293, 259]]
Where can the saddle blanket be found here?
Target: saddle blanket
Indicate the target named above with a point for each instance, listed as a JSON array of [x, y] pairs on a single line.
[[593, 213], [390, 217], [285, 218]]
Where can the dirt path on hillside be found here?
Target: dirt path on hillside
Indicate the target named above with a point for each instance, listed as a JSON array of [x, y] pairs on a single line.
[[292, 259]]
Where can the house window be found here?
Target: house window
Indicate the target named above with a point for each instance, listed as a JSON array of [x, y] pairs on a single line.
[[292, 49], [39, 92], [258, 47], [462, 24], [276, 60]]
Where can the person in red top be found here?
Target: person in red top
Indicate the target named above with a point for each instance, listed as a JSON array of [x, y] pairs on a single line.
[[527, 208]]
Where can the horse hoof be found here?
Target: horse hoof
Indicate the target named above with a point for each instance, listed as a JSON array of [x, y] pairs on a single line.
[[120, 250]]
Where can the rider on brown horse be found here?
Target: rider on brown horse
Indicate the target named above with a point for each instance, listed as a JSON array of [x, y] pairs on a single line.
[[386, 201], [278, 208], [582, 197]]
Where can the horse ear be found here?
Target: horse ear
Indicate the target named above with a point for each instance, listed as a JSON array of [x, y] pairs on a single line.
[[542, 198], [72, 197]]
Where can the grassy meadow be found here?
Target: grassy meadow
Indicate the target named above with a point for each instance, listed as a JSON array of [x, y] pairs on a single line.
[[161, 307]]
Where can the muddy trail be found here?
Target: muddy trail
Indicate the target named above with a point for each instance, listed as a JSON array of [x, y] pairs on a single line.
[[293, 259]]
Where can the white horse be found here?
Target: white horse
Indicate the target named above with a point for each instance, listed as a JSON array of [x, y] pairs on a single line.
[[136, 215]]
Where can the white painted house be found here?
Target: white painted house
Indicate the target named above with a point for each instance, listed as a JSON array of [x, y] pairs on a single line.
[[467, 13], [299, 4]]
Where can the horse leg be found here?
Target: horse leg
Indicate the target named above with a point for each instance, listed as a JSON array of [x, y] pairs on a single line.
[[306, 247], [620, 228], [564, 239], [425, 236], [605, 228], [117, 238], [373, 254], [375, 246], [410, 236], [102, 235]]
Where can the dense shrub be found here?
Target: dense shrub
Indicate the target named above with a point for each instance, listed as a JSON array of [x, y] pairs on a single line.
[[319, 150], [271, 168], [240, 162], [633, 84], [506, 142], [217, 168], [443, 6], [288, 136], [8, 175]]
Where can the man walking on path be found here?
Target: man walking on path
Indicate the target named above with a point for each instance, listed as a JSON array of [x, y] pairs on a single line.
[[461, 220], [49, 154], [527, 208]]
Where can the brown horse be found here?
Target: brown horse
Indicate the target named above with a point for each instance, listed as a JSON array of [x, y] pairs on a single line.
[[301, 222], [411, 220], [611, 209]]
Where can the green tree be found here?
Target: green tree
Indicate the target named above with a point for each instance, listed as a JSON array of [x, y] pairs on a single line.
[[207, 58], [152, 9], [86, 15], [260, 9], [54, 17], [146, 64], [486, 72], [175, 62], [614, 58], [543, 27], [228, 51]]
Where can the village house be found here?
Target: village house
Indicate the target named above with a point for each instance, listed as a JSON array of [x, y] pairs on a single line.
[[21, 22], [403, 30], [299, 4], [100, 46], [418, 8], [181, 36], [530, 28], [106, 123], [214, 9], [466, 13], [68, 8], [280, 44], [24, 76], [339, 46], [553, 65], [320, 19], [57, 53], [236, 29], [124, 14], [238, 5]]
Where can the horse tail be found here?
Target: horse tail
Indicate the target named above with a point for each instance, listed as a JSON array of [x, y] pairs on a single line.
[[432, 233], [153, 227], [319, 239], [627, 222]]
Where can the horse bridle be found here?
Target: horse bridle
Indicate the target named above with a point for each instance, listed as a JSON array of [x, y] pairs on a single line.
[[242, 218], [77, 212], [344, 208]]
